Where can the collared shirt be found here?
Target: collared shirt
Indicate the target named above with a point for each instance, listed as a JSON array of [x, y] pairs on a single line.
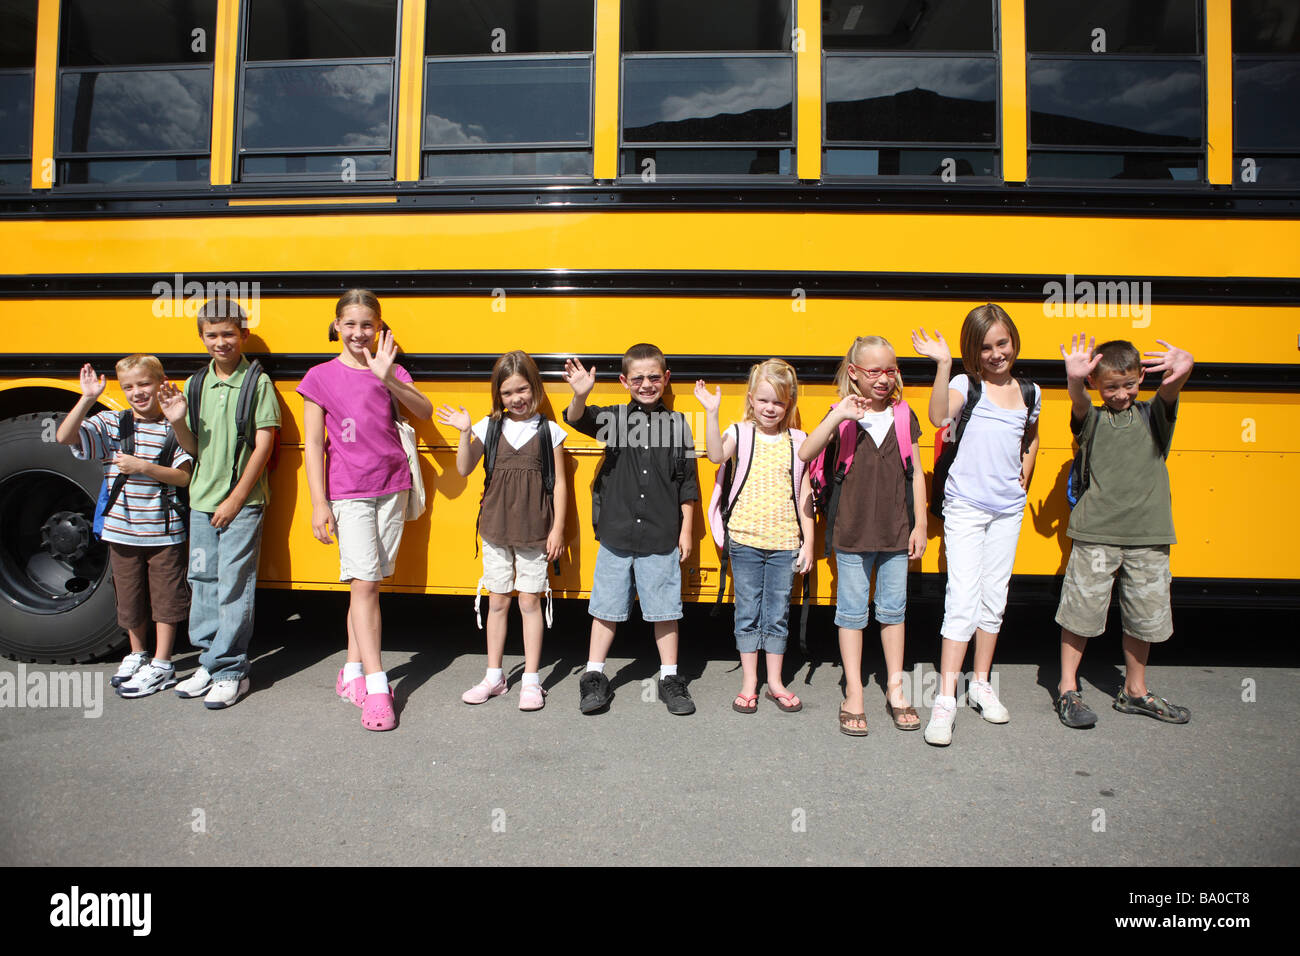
[[216, 438], [637, 499]]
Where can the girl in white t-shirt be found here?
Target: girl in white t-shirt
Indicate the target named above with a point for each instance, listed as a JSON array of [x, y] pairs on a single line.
[[522, 515], [983, 499]]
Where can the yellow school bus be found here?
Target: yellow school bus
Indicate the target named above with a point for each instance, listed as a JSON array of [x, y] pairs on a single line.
[[729, 179]]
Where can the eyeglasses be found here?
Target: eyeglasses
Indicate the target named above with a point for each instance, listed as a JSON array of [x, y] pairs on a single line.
[[637, 380], [874, 373]]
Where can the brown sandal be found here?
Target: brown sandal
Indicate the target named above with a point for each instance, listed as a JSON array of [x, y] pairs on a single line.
[[846, 718], [908, 711]]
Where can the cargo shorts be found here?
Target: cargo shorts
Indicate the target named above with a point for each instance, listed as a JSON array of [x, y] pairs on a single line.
[[1143, 575]]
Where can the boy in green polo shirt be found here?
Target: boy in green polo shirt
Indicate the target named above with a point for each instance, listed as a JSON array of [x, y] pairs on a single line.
[[228, 495], [1123, 523]]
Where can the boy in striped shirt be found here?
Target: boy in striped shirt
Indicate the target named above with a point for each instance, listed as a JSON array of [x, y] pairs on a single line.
[[144, 533]]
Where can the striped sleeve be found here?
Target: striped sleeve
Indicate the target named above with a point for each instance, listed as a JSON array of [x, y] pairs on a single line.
[[98, 436]]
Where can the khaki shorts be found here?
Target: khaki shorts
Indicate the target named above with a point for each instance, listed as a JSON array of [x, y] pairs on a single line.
[[1143, 590], [369, 533], [507, 569]]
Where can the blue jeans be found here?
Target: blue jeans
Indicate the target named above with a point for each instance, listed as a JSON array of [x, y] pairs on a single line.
[[763, 580], [855, 587], [655, 579], [223, 576]]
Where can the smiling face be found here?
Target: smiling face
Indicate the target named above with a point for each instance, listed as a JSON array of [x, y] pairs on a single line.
[[517, 398], [875, 371], [645, 380], [224, 340], [997, 353], [768, 407], [1118, 389], [357, 327], [140, 386]]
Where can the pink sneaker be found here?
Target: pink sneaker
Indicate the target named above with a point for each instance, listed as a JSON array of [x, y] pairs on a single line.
[[377, 712], [354, 690], [482, 691], [532, 697]]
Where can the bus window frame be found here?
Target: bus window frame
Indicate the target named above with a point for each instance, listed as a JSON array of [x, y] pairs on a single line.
[[26, 156], [625, 145], [1240, 151]]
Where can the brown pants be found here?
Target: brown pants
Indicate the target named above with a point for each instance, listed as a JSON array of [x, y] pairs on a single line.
[[148, 578]]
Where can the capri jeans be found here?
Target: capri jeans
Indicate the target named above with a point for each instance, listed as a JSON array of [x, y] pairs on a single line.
[[763, 580]]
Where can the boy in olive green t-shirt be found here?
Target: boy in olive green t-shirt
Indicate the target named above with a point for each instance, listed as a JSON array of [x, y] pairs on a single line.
[[228, 496], [1123, 524]]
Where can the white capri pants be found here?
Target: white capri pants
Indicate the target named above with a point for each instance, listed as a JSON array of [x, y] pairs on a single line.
[[981, 550]]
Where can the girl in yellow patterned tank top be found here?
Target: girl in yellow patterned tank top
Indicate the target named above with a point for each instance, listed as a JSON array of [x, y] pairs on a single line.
[[766, 519]]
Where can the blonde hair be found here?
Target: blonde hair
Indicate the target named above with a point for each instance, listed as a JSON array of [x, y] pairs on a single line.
[[781, 376], [978, 322], [844, 382], [515, 363], [149, 363]]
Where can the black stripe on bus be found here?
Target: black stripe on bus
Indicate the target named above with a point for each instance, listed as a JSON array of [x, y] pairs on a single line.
[[1137, 201], [974, 287], [1208, 376]]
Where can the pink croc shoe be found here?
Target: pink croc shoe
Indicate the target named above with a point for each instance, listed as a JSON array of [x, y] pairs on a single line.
[[483, 691], [354, 690], [532, 697], [377, 712]]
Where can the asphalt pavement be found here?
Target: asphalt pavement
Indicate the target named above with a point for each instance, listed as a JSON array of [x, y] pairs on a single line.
[[288, 776]]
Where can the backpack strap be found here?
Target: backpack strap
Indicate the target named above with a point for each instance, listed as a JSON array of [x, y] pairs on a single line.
[[903, 432], [491, 439], [546, 452], [847, 436], [728, 495], [193, 397], [1081, 471], [126, 445], [1027, 394], [974, 388], [244, 417]]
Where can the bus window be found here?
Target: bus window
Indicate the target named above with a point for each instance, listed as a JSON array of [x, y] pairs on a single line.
[[1266, 91], [507, 90], [1116, 91], [17, 67], [708, 90], [891, 112], [316, 86], [135, 92]]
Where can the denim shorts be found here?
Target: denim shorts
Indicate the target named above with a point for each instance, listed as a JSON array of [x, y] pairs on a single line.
[[855, 584], [763, 580], [656, 579]]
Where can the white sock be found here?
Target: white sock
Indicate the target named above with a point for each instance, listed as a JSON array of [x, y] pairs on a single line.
[[597, 666], [667, 670], [377, 683], [533, 678], [494, 675], [165, 665], [947, 702], [352, 670]]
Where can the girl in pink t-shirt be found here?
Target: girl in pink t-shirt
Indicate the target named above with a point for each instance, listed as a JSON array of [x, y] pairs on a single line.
[[359, 478]]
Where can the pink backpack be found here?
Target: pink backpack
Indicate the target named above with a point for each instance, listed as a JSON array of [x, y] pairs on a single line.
[[827, 470]]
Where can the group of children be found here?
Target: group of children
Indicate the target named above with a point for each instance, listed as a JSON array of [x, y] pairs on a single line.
[[858, 468]]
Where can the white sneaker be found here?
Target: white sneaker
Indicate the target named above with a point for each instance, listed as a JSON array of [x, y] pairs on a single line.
[[196, 685], [126, 670], [148, 680], [939, 730], [980, 696], [225, 693]]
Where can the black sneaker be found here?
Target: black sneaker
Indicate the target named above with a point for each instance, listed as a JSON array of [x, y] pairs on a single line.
[[594, 691], [673, 692], [1074, 712]]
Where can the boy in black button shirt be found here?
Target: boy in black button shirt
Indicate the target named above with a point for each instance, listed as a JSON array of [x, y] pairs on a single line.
[[643, 510]]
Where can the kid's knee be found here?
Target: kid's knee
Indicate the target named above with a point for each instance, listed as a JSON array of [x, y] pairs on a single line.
[[529, 603]]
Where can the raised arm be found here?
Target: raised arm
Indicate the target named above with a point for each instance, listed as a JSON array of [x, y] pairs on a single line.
[[1080, 362], [853, 407], [582, 381], [176, 409], [943, 401], [469, 449], [92, 386], [1176, 366], [717, 446]]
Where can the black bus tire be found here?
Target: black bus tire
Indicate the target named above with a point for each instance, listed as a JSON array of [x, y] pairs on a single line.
[[38, 479]]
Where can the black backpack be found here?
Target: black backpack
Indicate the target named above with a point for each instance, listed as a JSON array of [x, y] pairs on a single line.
[[244, 429], [175, 500], [944, 462], [545, 453]]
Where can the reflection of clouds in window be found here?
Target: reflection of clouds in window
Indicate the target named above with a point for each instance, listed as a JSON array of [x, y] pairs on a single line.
[[344, 105], [861, 79], [447, 132], [1167, 102], [375, 134], [142, 110], [1273, 76], [361, 85], [730, 87]]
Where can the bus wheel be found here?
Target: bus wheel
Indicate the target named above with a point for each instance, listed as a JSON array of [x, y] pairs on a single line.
[[56, 598]]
